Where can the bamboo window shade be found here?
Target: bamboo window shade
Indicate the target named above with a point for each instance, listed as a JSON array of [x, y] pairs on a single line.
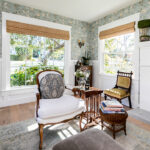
[[28, 29], [120, 30]]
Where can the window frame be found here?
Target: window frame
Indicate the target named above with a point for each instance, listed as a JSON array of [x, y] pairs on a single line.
[[29, 63], [114, 53], [114, 24], [6, 47]]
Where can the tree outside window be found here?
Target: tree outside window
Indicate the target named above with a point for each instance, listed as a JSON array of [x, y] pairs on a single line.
[[31, 54], [118, 52]]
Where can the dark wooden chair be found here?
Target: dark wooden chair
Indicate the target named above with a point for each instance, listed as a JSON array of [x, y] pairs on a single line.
[[122, 88], [48, 112]]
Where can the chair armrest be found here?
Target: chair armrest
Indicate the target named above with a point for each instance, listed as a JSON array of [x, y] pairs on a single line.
[[76, 92], [68, 88], [37, 103]]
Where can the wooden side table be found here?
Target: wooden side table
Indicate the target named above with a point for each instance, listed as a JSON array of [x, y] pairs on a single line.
[[114, 122], [92, 99]]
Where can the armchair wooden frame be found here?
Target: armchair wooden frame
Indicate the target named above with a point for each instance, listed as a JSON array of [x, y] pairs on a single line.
[[41, 126], [123, 74]]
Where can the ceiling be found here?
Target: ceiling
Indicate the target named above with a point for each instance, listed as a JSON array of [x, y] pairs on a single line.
[[84, 10]]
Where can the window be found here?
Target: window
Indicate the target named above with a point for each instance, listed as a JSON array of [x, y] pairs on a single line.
[[117, 53], [31, 54]]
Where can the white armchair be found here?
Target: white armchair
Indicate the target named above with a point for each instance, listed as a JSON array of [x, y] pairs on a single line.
[[53, 106]]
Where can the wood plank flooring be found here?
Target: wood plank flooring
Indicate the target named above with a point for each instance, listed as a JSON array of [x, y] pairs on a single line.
[[17, 113], [23, 112]]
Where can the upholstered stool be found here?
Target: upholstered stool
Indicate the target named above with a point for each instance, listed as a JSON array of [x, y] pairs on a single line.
[[114, 122], [91, 139]]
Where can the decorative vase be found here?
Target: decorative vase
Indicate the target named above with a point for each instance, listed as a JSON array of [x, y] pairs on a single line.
[[81, 82]]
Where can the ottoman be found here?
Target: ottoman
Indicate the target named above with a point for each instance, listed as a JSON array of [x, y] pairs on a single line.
[[114, 122], [91, 139]]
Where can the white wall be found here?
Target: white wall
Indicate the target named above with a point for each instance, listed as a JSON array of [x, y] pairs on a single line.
[[144, 75]]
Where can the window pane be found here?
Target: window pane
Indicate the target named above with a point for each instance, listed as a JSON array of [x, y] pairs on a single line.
[[110, 45], [118, 53], [33, 54], [17, 77]]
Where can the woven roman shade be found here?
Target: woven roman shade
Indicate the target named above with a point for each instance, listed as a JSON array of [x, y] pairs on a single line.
[[123, 29], [28, 29]]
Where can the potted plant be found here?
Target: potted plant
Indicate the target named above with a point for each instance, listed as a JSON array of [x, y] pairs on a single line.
[[85, 59], [82, 77], [144, 26]]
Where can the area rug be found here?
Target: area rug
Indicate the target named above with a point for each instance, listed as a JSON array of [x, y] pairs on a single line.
[[24, 136]]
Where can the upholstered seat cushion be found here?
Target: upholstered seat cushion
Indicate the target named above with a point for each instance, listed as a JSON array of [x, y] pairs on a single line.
[[67, 104], [117, 93], [60, 118]]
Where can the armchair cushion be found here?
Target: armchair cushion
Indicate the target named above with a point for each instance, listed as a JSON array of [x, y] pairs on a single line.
[[117, 93], [51, 86], [49, 108], [61, 117], [123, 82]]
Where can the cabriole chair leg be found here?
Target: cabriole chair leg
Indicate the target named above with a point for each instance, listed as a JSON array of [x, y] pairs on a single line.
[[80, 122], [41, 135]]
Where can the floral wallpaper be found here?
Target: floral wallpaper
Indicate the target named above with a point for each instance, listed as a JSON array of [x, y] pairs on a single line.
[[80, 30], [143, 7]]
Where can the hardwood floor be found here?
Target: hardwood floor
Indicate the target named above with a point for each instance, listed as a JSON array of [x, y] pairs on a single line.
[[23, 112], [17, 113]]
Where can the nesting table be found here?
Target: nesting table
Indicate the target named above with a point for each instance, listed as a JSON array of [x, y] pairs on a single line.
[[92, 98]]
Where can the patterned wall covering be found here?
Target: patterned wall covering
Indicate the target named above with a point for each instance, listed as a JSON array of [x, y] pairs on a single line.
[[143, 7], [80, 30]]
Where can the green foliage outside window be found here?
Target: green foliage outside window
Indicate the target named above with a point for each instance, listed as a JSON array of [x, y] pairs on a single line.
[[118, 53], [31, 54], [27, 76]]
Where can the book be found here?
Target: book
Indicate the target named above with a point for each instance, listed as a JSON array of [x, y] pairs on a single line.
[[112, 104], [112, 108], [111, 112]]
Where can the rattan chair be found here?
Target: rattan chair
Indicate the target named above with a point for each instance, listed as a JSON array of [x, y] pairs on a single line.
[[53, 106], [122, 88]]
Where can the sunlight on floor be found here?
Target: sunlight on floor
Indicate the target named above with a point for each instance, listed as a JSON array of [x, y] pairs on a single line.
[[61, 135], [32, 127], [73, 131], [67, 134]]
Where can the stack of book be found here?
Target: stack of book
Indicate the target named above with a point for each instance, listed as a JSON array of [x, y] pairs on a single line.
[[111, 107]]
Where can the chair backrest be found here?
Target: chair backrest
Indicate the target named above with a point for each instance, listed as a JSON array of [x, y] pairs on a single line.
[[124, 80], [50, 84]]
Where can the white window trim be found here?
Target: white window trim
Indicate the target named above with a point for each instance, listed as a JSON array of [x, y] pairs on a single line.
[[6, 46], [113, 24]]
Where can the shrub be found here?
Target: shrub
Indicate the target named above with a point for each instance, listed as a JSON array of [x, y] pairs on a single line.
[[27, 75]]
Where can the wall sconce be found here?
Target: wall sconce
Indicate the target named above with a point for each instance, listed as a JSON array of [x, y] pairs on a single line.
[[81, 43]]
